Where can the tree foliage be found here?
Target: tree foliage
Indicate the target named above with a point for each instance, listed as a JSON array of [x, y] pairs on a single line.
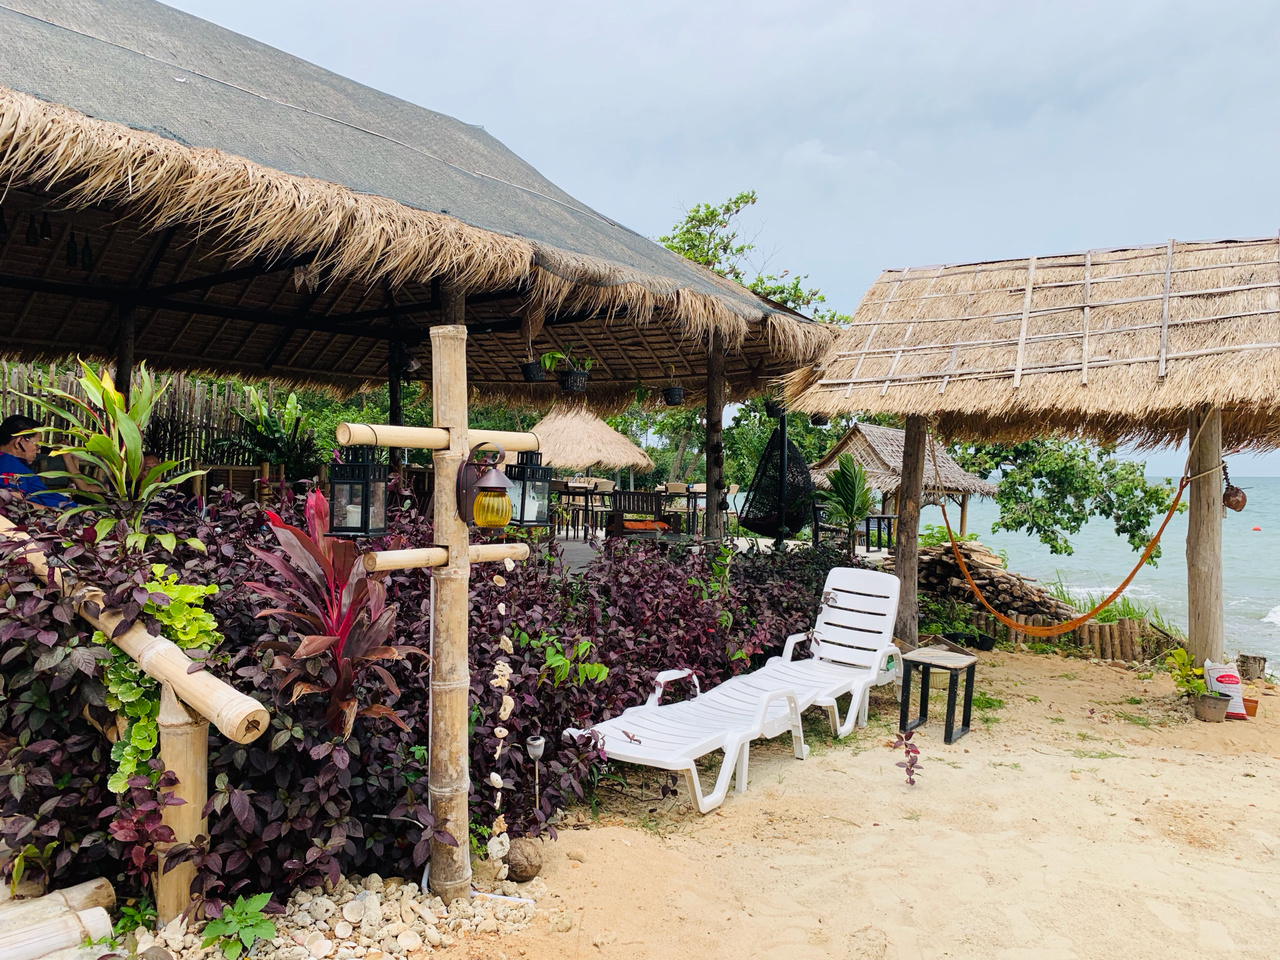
[[848, 499], [1049, 487]]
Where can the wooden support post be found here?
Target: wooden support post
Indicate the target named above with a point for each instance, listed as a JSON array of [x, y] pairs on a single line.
[[784, 488], [184, 748], [395, 404], [964, 515], [907, 558], [715, 437], [450, 874], [1108, 636], [1204, 538], [124, 351]]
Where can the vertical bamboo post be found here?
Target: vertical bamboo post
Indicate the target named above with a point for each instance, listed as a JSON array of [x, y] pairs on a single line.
[[906, 562], [184, 748], [1095, 639], [1204, 538], [1108, 640], [1126, 639], [964, 515], [715, 444], [450, 874]]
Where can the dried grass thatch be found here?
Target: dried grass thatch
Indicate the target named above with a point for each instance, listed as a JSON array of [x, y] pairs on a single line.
[[1114, 344], [879, 450], [573, 438]]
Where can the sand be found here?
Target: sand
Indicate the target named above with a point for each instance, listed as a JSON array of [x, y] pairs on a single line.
[[1062, 829]]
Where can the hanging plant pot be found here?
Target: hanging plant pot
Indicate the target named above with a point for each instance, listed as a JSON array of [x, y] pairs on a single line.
[[574, 381], [774, 409], [819, 420], [673, 396], [533, 372]]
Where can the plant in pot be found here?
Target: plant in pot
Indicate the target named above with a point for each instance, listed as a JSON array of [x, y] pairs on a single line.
[[573, 379], [532, 369], [673, 393], [1189, 679]]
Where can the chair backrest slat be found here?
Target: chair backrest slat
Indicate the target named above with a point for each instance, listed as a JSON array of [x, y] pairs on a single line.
[[857, 616]]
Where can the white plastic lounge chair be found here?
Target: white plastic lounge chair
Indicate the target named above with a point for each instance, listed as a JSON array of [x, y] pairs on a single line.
[[852, 645], [673, 736]]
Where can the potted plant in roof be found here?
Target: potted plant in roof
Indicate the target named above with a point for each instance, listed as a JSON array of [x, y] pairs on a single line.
[[673, 393], [573, 379], [532, 369]]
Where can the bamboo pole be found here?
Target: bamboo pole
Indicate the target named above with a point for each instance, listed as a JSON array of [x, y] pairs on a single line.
[[184, 748], [91, 893], [239, 717], [54, 933], [439, 556], [450, 870], [1204, 538], [906, 562], [715, 519], [428, 438]]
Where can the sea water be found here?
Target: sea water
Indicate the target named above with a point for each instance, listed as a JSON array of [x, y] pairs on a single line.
[[1250, 572]]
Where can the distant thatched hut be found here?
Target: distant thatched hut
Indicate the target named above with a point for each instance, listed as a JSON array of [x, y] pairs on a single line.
[[1154, 345], [879, 451], [574, 438]]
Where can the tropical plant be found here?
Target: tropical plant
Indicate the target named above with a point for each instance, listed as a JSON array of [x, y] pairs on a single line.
[[1187, 677], [848, 499], [107, 432], [240, 925], [341, 611], [553, 358], [271, 437]]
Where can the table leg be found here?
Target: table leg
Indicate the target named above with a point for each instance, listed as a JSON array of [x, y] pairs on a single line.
[[968, 697], [924, 694], [905, 707], [952, 685]]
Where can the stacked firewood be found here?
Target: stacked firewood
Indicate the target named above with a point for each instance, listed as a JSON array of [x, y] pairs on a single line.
[[1009, 593]]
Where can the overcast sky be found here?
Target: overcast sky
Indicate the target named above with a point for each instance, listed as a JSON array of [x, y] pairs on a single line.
[[876, 134]]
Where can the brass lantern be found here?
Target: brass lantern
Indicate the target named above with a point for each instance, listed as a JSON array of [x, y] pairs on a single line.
[[483, 489], [358, 495]]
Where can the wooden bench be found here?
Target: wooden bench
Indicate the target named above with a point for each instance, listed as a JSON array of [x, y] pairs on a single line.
[[643, 503]]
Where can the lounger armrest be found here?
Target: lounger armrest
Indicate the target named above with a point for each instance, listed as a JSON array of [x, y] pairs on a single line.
[[888, 654], [790, 647], [669, 676], [762, 711]]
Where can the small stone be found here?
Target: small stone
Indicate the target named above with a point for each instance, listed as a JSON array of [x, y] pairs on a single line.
[[346, 953], [353, 910], [409, 940], [498, 846], [487, 925], [389, 945], [304, 920], [524, 860], [322, 925], [561, 923], [395, 929], [578, 855], [432, 936], [322, 908], [373, 882], [408, 911], [603, 938], [342, 930], [301, 897], [375, 955], [320, 948]]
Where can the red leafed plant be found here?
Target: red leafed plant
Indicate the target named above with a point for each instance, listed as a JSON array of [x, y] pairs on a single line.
[[912, 754], [341, 612]]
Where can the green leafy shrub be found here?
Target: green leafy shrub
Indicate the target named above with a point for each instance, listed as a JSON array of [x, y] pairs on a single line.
[[1187, 677], [240, 926]]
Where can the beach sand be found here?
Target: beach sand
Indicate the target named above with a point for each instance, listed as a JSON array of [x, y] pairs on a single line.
[[1061, 830]]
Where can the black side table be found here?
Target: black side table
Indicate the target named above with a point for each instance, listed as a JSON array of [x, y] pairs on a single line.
[[939, 658]]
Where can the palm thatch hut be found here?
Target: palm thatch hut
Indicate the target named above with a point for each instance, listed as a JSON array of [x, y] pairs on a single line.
[[178, 193], [879, 451], [571, 437], [1152, 344]]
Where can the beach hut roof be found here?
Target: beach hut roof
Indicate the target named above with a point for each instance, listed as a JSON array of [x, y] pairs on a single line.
[[573, 438], [263, 216], [1115, 344], [879, 450]]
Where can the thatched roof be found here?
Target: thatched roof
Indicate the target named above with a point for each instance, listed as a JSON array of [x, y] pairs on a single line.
[[1115, 344], [879, 450], [573, 438], [268, 217]]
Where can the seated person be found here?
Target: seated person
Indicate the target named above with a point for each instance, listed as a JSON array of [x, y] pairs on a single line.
[[18, 449]]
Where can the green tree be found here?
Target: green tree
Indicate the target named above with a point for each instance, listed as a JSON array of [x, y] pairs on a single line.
[[708, 235], [1049, 487], [848, 499]]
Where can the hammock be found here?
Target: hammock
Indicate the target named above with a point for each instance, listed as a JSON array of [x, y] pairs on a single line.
[[762, 512]]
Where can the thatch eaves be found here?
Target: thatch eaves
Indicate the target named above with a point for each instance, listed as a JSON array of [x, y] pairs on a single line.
[[1114, 344], [879, 450], [571, 437], [130, 121]]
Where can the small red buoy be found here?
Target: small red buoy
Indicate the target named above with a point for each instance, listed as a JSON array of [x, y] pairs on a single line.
[[1258, 529]]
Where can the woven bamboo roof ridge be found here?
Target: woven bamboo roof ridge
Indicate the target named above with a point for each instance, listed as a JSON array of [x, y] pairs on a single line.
[[573, 438], [1114, 344], [185, 151], [879, 450]]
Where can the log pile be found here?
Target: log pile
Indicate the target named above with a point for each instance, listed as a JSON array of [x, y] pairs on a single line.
[[31, 929]]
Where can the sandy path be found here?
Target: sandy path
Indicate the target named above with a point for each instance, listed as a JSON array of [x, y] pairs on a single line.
[[1085, 836]]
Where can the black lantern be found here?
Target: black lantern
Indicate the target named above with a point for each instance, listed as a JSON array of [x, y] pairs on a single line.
[[530, 491], [358, 495]]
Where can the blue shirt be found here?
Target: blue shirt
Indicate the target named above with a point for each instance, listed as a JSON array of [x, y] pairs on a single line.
[[15, 474]]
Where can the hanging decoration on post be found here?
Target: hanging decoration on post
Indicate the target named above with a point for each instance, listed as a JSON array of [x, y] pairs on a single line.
[[358, 493], [482, 489], [530, 490], [1232, 497]]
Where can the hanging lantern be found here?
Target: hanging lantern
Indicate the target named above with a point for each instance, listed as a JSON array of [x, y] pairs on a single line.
[[483, 489], [46, 228], [530, 491], [358, 495]]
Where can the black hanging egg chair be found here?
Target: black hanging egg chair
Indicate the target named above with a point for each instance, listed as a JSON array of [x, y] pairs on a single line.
[[769, 507]]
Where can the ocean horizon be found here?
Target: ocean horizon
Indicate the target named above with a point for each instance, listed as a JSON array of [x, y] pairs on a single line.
[[1102, 559]]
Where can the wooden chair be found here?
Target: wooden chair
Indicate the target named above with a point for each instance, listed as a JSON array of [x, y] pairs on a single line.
[[642, 503]]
